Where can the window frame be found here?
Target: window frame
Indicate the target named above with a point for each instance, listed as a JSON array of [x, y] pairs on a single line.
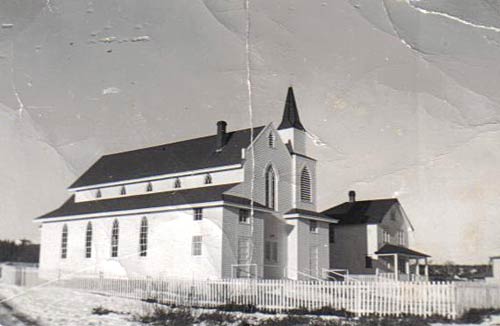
[[197, 245], [208, 179], [88, 240], [368, 262], [313, 226], [64, 241], [177, 183], [271, 187], [198, 214], [98, 194], [331, 233], [271, 252], [123, 191], [149, 187], [244, 216], [143, 237], [115, 238]]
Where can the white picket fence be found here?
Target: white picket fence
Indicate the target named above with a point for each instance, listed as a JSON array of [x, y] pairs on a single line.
[[361, 298]]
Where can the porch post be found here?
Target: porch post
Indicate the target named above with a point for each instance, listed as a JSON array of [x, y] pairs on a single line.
[[417, 268], [396, 267], [426, 270], [407, 267]]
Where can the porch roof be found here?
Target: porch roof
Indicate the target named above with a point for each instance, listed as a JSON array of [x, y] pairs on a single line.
[[389, 249]]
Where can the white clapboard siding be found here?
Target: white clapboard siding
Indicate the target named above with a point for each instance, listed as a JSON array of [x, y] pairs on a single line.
[[447, 299]]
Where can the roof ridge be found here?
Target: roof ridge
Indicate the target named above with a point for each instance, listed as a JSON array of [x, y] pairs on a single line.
[[179, 142]]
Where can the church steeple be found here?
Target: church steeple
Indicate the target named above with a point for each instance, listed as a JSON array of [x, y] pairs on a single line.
[[291, 114]]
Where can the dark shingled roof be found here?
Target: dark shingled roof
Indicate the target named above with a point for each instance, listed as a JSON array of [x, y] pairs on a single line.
[[151, 200], [392, 249], [307, 212], [361, 212], [193, 154], [291, 117]]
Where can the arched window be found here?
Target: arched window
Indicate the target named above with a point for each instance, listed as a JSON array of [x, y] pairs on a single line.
[[64, 242], [88, 241], [271, 140], [149, 187], [143, 238], [208, 179], [177, 183], [270, 187], [123, 191], [98, 193], [305, 186], [115, 233]]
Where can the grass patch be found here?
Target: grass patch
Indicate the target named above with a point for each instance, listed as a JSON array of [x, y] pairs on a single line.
[[246, 308], [477, 316], [216, 318], [163, 317]]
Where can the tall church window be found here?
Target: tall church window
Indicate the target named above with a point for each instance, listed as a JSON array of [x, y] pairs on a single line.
[[143, 237], [123, 191], [149, 187], [305, 185], [271, 140], [98, 193], [64, 242], [270, 188], [177, 183], [88, 240], [115, 231]]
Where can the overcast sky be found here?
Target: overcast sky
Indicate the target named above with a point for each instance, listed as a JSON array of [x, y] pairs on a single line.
[[403, 97]]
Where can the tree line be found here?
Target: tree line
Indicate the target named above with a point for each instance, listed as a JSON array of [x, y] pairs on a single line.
[[19, 251]]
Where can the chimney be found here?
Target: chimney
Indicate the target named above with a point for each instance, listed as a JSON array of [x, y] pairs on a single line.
[[221, 135], [352, 196]]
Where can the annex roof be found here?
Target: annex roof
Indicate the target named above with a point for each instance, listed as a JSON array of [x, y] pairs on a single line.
[[188, 155], [389, 249], [151, 200], [361, 212]]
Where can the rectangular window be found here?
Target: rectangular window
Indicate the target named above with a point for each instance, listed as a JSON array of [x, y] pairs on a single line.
[[271, 251], [313, 226], [198, 214], [401, 236], [196, 246], [386, 236], [368, 262], [244, 215], [331, 234]]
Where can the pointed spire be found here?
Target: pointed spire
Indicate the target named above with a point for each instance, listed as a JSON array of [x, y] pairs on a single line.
[[291, 114]]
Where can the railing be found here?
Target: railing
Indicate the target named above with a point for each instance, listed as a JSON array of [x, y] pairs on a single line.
[[362, 298]]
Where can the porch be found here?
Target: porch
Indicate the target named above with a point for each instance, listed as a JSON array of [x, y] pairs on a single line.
[[403, 264]]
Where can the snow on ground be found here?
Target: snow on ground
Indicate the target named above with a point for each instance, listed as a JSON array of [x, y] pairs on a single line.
[[51, 306]]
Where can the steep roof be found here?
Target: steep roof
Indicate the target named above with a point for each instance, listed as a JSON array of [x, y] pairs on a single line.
[[361, 212], [151, 200], [193, 154], [389, 249], [291, 117]]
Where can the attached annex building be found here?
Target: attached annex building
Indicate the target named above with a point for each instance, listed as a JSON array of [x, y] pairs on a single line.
[[192, 209]]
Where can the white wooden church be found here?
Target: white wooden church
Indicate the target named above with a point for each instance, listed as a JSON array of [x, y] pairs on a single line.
[[232, 204]]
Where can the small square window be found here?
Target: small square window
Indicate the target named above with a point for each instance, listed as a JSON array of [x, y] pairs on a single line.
[[198, 214], [244, 216], [313, 226]]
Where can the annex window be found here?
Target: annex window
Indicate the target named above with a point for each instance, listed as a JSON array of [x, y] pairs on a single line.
[[331, 234], [123, 191], [244, 216], [149, 187], [177, 183], [271, 251], [196, 245], [270, 188], [88, 241], [143, 238], [271, 140], [198, 214], [64, 242], [115, 233], [401, 238], [98, 193], [386, 236], [208, 179], [313, 226], [305, 185], [368, 262]]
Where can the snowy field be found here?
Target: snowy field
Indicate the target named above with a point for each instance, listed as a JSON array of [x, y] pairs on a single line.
[[52, 306]]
